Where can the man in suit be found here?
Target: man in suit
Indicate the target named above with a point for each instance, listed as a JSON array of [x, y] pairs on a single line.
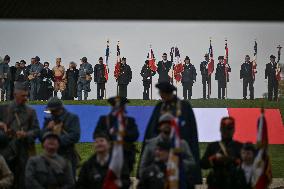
[[246, 74], [164, 66], [99, 78], [222, 76], [188, 78], [124, 78], [204, 73], [147, 75], [270, 75]]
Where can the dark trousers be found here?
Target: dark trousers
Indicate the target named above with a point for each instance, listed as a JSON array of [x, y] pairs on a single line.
[[221, 89], [272, 89], [187, 90], [122, 90], [246, 83], [100, 91], [146, 93]]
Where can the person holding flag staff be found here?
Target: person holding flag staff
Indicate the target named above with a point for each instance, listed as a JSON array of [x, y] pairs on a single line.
[[124, 77], [147, 75], [164, 68], [271, 76], [204, 74], [100, 78], [247, 74], [222, 76], [188, 78]]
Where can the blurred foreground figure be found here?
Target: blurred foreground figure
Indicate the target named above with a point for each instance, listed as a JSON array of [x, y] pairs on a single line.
[[67, 126], [94, 170], [19, 127], [223, 158], [183, 111], [49, 170], [6, 176], [107, 124]]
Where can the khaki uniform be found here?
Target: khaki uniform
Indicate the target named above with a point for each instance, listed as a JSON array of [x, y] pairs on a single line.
[[59, 78]]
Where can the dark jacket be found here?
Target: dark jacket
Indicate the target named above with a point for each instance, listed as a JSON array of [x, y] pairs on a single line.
[[147, 75], [204, 69], [92, 175], [246, 71], [72, 79], [44, 172], [220, 73], [270, 72], [223, 172], [125, 75], [22, 74], [163, 71], [99, 73], [188, 74]]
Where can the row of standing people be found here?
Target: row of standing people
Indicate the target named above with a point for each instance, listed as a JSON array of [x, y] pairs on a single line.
[[56, 166]]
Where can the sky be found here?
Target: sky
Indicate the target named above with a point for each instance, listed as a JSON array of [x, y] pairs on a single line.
[[73, 39]]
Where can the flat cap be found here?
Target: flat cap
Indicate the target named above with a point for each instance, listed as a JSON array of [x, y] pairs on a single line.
[[166, 87]]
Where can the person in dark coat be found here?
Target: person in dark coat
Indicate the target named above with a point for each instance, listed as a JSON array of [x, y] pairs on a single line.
[[94, 170], [46, 88], [147, 75], [179, 108], [49, 170], [204, 73], [154, 175], [188, 78], [5, 79], [124, 78], [222, 77], [99, 78], [270, 75], [164, 66], [22, 73], [246, 73], [13, 70], [72, 75], [19, 127], [106, 125], [67, 126], [35, 79], [223, 158]]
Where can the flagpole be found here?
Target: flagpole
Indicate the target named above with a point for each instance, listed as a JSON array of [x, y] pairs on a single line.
[[277, 67], [107, 55], [209, 75], [151, 73], [226, 72]]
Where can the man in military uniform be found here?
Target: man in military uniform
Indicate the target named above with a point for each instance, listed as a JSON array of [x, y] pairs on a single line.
[[270, 75], [99, 78], [5, 79], [147, 75], [19, 127], [59, 77], [94, 170], [124, 78], [164, 66], [222, 76], [107, 123], [222, 158], [67, 126], [34, 78], [49, 170], [205, 77], [182, 109], [246, 73], [188, 78], [84, 79]]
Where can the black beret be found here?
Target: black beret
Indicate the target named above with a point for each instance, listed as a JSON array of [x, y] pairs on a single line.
[[101, 58], [221, 57], [247, 56], [120, 101], [164, 54], [272, 56], [123, 58], [84, 59], [54, 103], [166, 87], [186, 58]]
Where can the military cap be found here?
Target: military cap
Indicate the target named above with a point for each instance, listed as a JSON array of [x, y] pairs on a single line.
[[186, 58], [50, 134], [37, 58], [101, 135], [6, 58], [206, 55], [84, 59], [21, 87], [22, 62], [164, 54], [123, 58], [167, 117], [54, 103], [272, 56], [120, 101], [220, 57], [101, 58], [164, 145], [166, 87]]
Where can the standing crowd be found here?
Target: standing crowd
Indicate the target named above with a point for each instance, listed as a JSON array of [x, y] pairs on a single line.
[[230, 162]]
